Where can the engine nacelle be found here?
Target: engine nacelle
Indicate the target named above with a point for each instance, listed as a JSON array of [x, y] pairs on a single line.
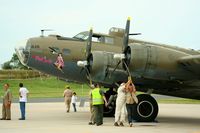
[[98, 62], [146, 60], [101, 65], [137, 58]]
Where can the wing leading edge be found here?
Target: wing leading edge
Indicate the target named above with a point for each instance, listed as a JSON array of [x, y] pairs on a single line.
[[191, 63]]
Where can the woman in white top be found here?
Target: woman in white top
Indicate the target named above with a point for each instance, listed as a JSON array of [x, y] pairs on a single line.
[[120, 106]]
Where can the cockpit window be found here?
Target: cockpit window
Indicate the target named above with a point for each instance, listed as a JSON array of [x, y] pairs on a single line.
[[81, 36], [95, 38]]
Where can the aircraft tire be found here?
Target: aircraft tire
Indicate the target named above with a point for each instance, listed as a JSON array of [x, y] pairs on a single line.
[[146, 110]]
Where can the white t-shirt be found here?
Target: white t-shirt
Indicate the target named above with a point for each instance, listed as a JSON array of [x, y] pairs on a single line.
[[74, 98], [23, 92], [121, 94]]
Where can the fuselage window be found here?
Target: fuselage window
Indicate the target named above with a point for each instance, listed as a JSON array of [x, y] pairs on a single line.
[[102, 39], [95, 39], [66, 51], [55, 50], [109, 40]]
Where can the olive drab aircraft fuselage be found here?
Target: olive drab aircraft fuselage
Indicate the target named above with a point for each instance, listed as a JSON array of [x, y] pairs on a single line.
[[111, 58]]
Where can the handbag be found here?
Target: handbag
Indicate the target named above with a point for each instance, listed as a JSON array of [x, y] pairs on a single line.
[[129, 99]]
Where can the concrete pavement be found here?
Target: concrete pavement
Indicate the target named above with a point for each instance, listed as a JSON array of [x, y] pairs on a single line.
[[52, 118]]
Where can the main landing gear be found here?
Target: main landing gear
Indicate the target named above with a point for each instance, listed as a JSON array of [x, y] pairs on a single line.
[[145, 111]]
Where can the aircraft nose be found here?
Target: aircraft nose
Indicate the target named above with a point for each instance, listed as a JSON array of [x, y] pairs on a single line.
[[23, 51]]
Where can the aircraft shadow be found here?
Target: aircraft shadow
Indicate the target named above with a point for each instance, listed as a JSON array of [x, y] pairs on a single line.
[[179, 120]]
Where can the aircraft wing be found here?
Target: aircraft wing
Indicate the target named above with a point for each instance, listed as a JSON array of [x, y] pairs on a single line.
[[191, 63]]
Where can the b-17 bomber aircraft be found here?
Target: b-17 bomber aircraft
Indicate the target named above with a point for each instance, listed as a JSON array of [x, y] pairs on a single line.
[[111, 58]]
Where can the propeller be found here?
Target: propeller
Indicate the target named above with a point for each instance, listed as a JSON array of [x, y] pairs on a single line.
[[134, 34], [86, 64], [122, 57]]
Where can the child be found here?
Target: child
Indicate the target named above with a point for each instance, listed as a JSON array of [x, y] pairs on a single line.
[[74, 99]]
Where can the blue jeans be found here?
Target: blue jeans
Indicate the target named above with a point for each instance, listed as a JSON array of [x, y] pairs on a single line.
[[22, 108], [74, 105], [130, 110]]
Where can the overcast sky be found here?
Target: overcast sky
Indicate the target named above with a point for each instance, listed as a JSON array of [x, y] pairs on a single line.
[[174, 22]]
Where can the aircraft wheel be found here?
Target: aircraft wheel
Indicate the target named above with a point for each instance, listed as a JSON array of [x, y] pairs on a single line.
[[147, 108]]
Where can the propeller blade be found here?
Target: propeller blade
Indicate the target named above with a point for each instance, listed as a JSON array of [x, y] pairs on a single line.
[[117, 84], [135, 34], [122, 56], [81, 70], [85, 64], [126, 35], [89, 44], [115, 68], [127, 69], [88, 75]]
